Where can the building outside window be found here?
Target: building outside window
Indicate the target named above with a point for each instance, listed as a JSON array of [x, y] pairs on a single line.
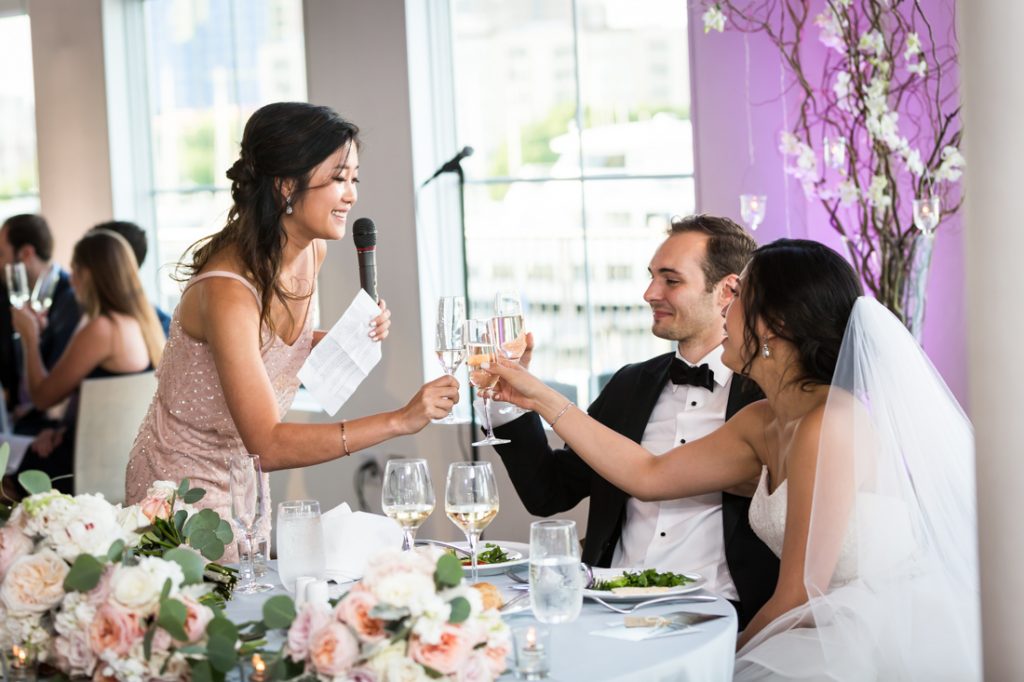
[[19, 172]]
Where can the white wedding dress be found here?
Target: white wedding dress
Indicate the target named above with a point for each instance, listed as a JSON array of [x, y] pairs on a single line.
[[891, 564]]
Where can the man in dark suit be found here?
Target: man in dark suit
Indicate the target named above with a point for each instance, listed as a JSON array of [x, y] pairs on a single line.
[[661, 403]]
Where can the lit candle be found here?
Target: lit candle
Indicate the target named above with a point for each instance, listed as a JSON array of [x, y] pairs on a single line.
[[531, 653], [21, 669], [259, 669]]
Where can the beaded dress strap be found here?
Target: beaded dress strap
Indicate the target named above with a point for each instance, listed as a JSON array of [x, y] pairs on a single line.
[[225, 273]]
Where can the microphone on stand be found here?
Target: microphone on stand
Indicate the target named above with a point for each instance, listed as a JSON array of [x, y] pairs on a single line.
[[452, 165], [364, 234]]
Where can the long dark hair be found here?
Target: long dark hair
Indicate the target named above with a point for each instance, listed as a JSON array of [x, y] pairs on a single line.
[[282, 141], [804, 293]]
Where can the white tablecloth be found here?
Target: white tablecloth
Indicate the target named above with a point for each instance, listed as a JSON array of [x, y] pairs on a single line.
[[706, 655]]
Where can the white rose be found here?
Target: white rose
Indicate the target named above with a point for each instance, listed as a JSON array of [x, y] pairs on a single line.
[[411, 590], [92, 530], [74, 656], [392, 665], [138, 587], [34, 583], [161, 489], [47, 513]]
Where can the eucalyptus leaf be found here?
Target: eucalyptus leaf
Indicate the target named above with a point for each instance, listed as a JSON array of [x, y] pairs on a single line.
[[147, 642], [202, 671], [172, 618], [278, 612], [432, 673], [448, 572], [116, 550], [192, 564], [180, 517], [224, 532], [193, 496], [222, 635], [182, 487], [166, 591], [5, 454], [212, 550], [35, 482], [84, 575], [206, 519], [460, 610]]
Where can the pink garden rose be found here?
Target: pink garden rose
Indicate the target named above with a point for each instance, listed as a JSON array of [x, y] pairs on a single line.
[[197, 617], [155, 507], [333, 649], [448, 655], [114, 629], [476, 669], [101, 593], [354, 611], [311, 618], [74, 656], [34, 583], [14, 544], [496, 658]]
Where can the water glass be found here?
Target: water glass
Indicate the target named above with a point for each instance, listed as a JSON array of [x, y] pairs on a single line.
[[300, 542], [248, 508], [449, 342], [471, 501], [407, 495], [17, 283], [556, 575]]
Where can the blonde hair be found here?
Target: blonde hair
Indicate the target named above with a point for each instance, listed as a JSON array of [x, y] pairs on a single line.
[[113, 285]]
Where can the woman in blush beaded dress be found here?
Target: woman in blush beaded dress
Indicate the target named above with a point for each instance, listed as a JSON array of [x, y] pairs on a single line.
[[866, 466], [244, 326]]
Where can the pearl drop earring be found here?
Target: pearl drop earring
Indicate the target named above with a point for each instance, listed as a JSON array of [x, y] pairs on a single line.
[[288, 206]]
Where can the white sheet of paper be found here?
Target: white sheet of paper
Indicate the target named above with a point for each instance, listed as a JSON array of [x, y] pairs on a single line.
[[344, 357], [19, 444]]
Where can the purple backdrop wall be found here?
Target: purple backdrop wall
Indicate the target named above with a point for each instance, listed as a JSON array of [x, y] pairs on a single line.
[[725, 169]]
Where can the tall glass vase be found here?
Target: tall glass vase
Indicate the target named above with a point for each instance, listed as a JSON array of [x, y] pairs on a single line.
[[916, 286]]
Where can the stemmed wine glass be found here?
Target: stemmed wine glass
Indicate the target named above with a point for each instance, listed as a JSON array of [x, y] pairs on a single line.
[[449, 341], [407, 495], [248, 491], [507, 331], [17, 283], [471, 501], [479, 352], [46, 285]]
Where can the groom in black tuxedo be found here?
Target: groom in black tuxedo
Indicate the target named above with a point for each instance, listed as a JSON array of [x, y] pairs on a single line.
[[660, 403]]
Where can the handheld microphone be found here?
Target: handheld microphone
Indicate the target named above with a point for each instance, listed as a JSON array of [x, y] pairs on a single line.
[[452, 164], [364, 234]]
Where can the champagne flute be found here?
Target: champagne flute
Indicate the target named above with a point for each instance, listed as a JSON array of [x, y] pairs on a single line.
[[245, 478], [449, 341], [17, 283], [479, 352], [507, 331], [407, 495], [46, 285], [471, 501]]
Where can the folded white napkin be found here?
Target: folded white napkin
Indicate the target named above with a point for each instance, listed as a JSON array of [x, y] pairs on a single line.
[[620, 631], [351, 538]]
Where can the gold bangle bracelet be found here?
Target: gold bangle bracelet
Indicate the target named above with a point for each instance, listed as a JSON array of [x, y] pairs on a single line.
[[344, 438], [560, 413]]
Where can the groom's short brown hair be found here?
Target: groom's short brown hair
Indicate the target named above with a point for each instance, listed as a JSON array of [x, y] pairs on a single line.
[[729, 246]]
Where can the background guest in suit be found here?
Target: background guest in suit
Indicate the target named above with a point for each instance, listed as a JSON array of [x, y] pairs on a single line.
[[26, 239], [660, 403], [120, 335], [136, 238]]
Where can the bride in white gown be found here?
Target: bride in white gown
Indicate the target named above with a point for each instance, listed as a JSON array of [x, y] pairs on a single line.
[[865, 470]]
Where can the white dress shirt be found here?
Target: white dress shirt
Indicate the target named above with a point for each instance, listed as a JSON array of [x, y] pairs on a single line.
[[684, 534]]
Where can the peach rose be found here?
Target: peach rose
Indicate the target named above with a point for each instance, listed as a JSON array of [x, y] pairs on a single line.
[[197, 617], [14, 544], [476, 669], [311, 618], [496, 658], [333, 649], [74, 656], [114, 629], [448, 655], [354, 611], [34, 583], [155, 508]]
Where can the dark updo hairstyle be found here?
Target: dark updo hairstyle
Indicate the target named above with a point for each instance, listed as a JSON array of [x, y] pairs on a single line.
[[282, 141], [804, 293]]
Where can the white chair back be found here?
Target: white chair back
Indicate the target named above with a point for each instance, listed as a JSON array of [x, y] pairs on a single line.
[[110, 411]]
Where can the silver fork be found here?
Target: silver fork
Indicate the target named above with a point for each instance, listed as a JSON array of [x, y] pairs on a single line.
[[514, 600], [684, 598]]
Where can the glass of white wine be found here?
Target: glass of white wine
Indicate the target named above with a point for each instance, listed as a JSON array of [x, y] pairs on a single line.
[[407, 495], [449, 341], [480, 352], [471, 501], [46, 286]]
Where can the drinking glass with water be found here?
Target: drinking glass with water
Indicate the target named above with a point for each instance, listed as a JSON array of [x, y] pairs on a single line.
[[556, 574], [300, 542]]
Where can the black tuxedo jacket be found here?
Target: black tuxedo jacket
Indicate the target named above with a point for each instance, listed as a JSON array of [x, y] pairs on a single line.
[[553, 481]]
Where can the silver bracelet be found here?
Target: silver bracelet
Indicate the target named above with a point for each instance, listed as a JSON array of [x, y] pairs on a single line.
[[560, 413]]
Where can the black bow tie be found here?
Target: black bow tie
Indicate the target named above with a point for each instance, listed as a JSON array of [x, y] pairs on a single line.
[[682, 373]]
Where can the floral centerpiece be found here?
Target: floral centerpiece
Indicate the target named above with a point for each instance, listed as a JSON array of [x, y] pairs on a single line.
[[876, 137], [412, 617]]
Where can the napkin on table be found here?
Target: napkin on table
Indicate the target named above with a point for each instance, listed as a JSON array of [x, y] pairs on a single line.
[[351, 538]]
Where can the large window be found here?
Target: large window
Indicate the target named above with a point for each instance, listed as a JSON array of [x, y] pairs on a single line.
[[209, 64], [578, 111], [19, 175]]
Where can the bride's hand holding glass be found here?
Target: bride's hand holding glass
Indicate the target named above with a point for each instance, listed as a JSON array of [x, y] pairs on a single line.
[[434, 400]]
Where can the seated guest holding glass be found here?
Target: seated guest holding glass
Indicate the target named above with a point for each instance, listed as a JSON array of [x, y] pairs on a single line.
[[244, 326], [136, 238], [119, 335], [866, 488], [676, 397], [26, 239]]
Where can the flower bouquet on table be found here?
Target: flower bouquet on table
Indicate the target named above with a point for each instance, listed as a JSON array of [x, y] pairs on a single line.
[[411, 618]]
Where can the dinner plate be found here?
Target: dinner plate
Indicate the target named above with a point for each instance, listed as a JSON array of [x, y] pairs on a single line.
[[520, 550], [608, 595]]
